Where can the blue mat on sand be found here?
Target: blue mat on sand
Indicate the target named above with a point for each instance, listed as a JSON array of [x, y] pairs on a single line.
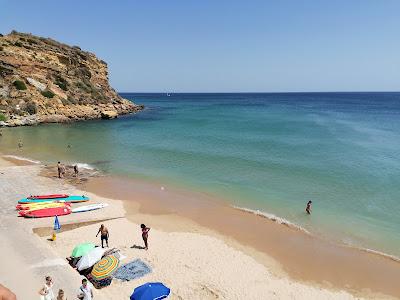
[[132, 270]]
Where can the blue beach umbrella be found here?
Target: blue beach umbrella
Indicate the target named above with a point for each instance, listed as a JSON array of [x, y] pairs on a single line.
[[57, 225], [150, 291]]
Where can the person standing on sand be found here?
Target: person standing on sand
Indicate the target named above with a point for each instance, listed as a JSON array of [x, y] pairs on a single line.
[[308, 208], [76, 171], [85, 291], [103, 235], [59, 169], [145, 235], [46, 292]]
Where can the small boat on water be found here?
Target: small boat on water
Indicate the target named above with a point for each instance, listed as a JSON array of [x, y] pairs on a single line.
[[72, 199]]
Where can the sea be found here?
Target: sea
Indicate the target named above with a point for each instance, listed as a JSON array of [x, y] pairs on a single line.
[[268, 153]]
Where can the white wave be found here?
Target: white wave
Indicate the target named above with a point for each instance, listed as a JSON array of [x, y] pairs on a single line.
[[272, 217], [22, 158], [290, 224], [83, 166], [389, 256]]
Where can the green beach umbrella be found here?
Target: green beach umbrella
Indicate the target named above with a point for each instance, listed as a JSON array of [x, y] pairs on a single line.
[[82, 249]]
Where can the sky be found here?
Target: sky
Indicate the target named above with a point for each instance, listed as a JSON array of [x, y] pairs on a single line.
[[226, 46]]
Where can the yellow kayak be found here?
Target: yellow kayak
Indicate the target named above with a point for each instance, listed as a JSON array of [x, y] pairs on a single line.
[[35, 206]]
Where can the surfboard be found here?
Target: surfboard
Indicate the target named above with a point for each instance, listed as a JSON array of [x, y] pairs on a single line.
[[89, 207], [72, 199], [51, 196], [46, 212], [32, 206]]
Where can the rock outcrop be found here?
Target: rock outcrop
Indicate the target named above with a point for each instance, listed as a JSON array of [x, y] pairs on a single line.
[[42, 81]]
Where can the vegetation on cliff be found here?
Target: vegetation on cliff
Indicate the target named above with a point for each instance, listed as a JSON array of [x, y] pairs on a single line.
[[42, 80]]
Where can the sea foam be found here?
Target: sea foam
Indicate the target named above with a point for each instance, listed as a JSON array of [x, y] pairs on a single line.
[[22, 158], [83, 166], [272, 217]]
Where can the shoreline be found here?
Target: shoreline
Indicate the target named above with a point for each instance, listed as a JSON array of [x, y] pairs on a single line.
[[290, 251], [314, 261], [194, 263]]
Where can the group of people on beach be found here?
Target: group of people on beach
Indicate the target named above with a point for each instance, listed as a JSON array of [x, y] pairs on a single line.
[[61, 169], [104, 235], [85, 291]]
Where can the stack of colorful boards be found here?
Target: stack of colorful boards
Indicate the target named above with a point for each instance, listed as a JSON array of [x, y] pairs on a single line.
[[47, 205]]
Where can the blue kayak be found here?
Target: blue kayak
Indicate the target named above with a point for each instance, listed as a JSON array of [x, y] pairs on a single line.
[[72, 199]]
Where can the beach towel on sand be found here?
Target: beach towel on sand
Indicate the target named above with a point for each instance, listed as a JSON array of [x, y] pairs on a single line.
[[132, 270]]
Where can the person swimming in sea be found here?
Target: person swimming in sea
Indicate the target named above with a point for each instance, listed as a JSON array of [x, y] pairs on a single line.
[[308, 208], [145, 235]]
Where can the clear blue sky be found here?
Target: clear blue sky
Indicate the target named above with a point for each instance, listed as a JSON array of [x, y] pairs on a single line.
[[226, 46]]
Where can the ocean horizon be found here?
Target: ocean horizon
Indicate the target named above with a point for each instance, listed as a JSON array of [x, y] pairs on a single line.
[[265, 152]]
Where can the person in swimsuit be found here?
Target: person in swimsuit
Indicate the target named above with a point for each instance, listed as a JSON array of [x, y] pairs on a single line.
[[308, 208], [145, 235], [103, 235]]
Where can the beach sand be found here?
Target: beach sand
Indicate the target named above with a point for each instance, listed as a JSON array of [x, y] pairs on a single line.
[[194, 260]]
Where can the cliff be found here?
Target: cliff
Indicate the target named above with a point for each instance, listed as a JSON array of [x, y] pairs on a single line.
[[42, 81]]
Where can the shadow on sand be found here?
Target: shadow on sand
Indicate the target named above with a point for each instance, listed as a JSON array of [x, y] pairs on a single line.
[[137, 247]]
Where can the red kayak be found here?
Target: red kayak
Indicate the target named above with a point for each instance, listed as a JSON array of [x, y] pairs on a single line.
[[46, 212], [51, 196]]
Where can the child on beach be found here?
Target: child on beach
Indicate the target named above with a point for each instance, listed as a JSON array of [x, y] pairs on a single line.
[[145, 235], [61, 295], [308, 208], [103, 235], [46, 292]]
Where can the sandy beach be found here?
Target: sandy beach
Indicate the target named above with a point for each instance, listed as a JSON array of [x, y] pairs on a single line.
[[194, 260]]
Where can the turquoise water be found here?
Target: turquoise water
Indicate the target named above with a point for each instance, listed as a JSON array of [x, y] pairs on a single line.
[[267, 152]]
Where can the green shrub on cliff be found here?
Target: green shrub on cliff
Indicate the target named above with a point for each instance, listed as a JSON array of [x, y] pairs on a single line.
[[48, 94], [20, 85], [31, 108], [2, 117], [32, 41], [18, 44], [62, 83], [83, 86]]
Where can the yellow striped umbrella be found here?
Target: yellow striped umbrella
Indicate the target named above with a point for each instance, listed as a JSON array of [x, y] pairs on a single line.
[[105, 267]]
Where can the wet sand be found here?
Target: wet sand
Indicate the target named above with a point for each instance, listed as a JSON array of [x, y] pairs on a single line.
[[302, 256], [195, 262]]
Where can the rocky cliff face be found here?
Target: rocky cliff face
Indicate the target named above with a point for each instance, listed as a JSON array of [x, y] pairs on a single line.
[[43, 81]]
